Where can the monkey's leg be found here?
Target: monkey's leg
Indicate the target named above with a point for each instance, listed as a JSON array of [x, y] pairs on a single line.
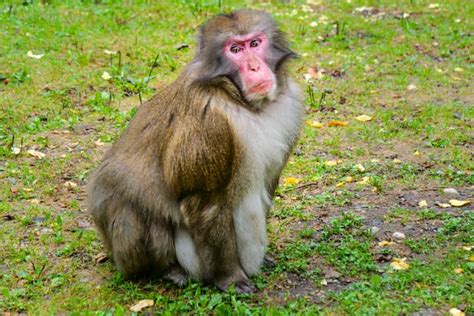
[[213, 234], [162, 248], [127, 235]]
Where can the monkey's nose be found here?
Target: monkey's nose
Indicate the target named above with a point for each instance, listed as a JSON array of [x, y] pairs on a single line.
[[254, 66]]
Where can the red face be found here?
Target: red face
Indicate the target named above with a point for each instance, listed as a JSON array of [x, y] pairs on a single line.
[[247, 53]]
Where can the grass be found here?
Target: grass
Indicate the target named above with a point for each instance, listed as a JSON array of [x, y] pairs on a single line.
[[406, 64]]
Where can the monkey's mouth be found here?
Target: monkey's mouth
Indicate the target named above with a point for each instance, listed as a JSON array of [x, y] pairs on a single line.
[[261, 88]]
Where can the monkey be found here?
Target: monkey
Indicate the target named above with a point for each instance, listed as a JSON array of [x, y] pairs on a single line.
[[184, 192]]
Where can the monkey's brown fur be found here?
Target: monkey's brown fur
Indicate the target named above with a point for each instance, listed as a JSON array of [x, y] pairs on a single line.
[[179, 165]]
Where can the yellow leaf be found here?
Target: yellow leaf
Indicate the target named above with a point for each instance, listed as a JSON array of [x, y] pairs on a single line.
[[141, 305], [363, 118], [106, 76], [459, 203], [337, 123], [433, 6], [443, 205], [291, 181], [400, 264], [397, 160], [458, 270], [411, 87], [348, 179], [332, 163], [423, 203], [314, 124], [457, 69], [340, 184], [360, 167], [467, 248], [471, 258], [364, 180], [416, 153], [384, 243], [456, 312]]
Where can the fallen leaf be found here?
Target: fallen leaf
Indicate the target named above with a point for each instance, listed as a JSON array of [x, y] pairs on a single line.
[[332, 163], [313, 72], [337, 123], [433, 6], [400, 264], [423, 203], [35, 201], [314, 124], [397, 160], [348, 179], [36, 153], [458, 69], [110, 52], [364, 180], [443, 205], [384, 243], [459, 270], [16, 150], [456, 312], [101, 257], [324, 282], [416, 153], [106, 76], [467, 248], [291, 181], [35, 56], [70, 184], [99, 143], [471, 258], [313, 24], [411, 87], [141, 305], [360, 167], [363, 118], [459, 203]]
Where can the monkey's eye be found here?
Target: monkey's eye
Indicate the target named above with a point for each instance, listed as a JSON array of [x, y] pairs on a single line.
[[254, 43], [234, 49]]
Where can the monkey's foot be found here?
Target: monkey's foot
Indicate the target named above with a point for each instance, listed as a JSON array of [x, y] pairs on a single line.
[[269, 262], [241, 284], [177, 275]]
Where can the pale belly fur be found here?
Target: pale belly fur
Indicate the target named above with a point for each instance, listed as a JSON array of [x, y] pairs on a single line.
[[266, 137]]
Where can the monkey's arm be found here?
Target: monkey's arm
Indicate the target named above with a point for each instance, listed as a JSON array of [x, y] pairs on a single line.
[[200, 156]]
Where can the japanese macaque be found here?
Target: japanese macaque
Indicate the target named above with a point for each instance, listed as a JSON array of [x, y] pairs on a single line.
[[184, 192]]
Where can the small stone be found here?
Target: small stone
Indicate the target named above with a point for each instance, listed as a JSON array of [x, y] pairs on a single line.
[[398, 235], [374, 230], [451, 191]]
